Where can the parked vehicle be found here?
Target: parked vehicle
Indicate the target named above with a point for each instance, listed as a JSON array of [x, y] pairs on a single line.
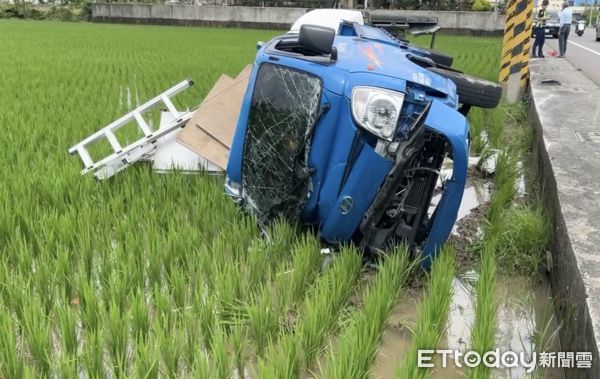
[[347, 131], [598, 32], [580, 27], [552, 25]]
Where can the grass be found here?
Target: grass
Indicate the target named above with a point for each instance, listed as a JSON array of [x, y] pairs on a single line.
[[156, 276]]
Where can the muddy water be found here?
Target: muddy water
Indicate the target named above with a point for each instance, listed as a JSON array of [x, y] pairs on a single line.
[[396, 342], [524, 307]]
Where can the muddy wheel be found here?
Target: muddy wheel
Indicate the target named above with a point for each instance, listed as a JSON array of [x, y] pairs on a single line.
[[471, 90]]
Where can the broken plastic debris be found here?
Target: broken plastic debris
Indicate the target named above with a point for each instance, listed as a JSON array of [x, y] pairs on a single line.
[[488, 164]]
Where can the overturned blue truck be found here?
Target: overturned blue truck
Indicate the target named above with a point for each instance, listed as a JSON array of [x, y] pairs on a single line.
[[346, 128]]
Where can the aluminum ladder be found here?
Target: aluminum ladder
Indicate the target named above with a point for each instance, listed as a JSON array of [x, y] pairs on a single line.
[[124, 156]]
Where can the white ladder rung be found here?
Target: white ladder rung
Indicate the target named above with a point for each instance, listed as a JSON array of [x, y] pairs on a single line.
[[112, 139], [170, 106], [123, 156], [85, 156], [142, 123]]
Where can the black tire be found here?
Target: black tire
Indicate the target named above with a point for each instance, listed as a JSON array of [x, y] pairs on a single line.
[[471, 90], [439, 57], [555, 36]]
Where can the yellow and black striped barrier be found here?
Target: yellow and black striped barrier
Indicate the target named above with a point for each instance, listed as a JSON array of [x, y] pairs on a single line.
[[514, 69]]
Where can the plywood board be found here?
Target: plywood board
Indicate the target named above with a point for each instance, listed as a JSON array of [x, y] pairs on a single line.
[[210, 131], [218, 115]]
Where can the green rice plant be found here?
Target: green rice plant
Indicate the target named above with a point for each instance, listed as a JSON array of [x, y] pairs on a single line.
[[222, 362], [44, 282], [238, 337], [524, 239], [116, 291], [171, 344], [285, 360], [432, 314], [545, 338], [89, 305], [37, 330], [155, 266], [5, 277], [305, 262], [505, 183], [164, 315], [324, 302], [67, 321], [486, 307], [147, 361], [93, 355], [269, 303], [231, 288], [140, 318], [117, 328], [206, 309], [259, 267], [201, 366], [12, 363], [358, 342], [64, 274], [67, 366], [179, 289], [318, 315], [263, 319], [192, 341]]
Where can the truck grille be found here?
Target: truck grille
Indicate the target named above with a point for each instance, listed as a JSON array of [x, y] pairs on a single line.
[[284, 106]]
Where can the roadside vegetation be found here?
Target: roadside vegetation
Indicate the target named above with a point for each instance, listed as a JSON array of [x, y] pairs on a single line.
[[75, 11], [149, 275]]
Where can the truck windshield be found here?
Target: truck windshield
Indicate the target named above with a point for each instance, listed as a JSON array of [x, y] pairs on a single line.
[[284, 106]]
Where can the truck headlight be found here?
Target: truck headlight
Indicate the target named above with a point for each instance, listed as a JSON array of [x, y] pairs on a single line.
[[377, 110]]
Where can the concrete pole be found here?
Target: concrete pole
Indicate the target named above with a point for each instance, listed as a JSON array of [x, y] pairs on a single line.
[[514, 69]]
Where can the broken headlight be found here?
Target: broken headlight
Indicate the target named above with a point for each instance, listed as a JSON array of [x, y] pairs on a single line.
[[377, 110]]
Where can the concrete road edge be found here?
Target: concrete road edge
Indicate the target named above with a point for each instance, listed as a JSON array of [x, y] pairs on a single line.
[[564, 110]]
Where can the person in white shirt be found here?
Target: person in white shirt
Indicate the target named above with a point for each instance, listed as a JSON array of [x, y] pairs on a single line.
[[566, 17]]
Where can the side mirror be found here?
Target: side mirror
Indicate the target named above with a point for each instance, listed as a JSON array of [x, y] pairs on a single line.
[[317, 39]]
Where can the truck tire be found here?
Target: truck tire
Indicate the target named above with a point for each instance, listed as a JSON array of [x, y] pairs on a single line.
[[471, 90], [439, 57]]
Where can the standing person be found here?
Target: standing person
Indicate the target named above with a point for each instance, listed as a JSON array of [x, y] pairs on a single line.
[[566, 17], [540, 32]]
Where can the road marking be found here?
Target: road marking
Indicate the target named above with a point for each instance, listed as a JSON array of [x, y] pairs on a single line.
[[585, 48]]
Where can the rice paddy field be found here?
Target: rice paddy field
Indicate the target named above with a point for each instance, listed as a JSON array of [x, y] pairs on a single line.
[[148, 275]]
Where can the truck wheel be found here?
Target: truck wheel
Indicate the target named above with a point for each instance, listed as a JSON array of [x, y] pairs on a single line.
[[439, 57], [471, 90]]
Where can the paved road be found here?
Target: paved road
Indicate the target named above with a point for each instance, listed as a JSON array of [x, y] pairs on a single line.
[[582, 52]]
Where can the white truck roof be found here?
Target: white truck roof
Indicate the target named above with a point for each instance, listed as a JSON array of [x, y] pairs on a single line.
[[330, 18]]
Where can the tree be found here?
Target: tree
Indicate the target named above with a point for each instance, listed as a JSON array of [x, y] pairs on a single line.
[[482, 6]]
